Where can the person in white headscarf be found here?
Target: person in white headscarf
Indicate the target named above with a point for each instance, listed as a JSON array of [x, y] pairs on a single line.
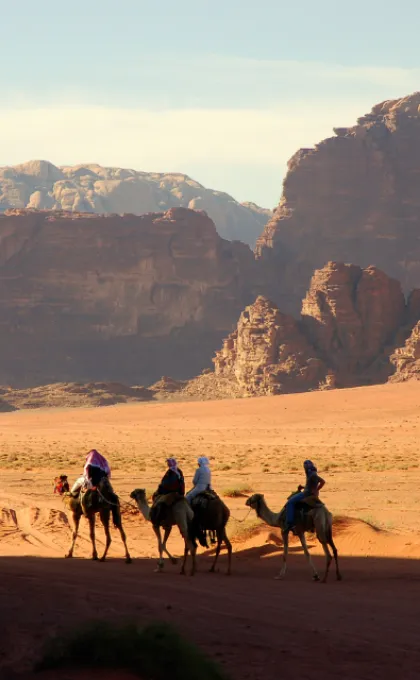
[[202, 479]]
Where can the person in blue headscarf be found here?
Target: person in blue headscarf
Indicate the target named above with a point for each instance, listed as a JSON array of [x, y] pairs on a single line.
[[314, 484], [202, 478]]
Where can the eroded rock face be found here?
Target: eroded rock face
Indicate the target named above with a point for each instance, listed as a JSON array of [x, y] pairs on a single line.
[[350, 319], [86, 297], [406, 359], [41, 185], [352, 198], [268, 353], [350, 316]]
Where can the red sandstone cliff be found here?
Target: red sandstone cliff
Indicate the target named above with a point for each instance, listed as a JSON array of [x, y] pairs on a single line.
[[352, 198], [87, 297], [351, 317], [268, 353], [406, 359]]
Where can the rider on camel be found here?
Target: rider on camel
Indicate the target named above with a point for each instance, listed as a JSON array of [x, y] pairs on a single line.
[[171, 488], [172, 481], [95, 471], [202, 479], [314, 484]]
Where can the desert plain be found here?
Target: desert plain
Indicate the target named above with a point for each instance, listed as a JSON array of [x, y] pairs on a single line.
[[365, 442]]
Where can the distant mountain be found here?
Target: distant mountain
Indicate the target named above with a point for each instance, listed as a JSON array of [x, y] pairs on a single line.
[[92, 188]]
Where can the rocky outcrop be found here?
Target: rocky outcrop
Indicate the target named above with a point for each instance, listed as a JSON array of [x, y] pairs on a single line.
[[351, 318], [116, 298], [41, 185], [268, 353], [406, 359], [72, 395], [352, 198]]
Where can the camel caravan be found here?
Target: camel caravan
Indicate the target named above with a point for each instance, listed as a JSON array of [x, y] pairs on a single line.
[[200, 515]]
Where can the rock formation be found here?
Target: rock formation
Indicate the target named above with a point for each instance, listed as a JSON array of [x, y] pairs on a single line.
[[351, 318], [352, 198], [268, 353], [65, 395], [91, 188], [406, 359], [116, 298], [351, 315]]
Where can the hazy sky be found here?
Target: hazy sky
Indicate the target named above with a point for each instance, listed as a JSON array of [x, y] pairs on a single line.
[[225, 91]]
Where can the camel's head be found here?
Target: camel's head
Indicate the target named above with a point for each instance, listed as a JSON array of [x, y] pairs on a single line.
[[61, 485], [254, 501], [139, 495]]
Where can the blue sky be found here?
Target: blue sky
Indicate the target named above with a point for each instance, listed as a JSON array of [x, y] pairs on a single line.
[[223, 91]]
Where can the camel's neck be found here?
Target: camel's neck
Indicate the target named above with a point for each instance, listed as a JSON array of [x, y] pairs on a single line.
[[144, 509], [267, 516]]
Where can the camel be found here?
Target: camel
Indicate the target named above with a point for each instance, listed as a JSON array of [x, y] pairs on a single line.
[[318, 519], [212, 517], [104, 510], [179, 514]]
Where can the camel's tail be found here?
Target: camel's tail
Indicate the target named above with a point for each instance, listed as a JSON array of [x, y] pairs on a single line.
[[116, 512]]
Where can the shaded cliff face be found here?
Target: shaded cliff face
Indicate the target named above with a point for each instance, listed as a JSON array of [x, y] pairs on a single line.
[[84, 297], [351, 318], [353, 198], [351, 315], [41, 185]]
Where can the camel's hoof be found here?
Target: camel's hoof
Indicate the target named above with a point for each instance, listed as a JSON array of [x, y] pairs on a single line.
[[279, 577], [339, 577], [101, 559], [68, 556], [158, 570], [95, 558], [128, 560], [174, 560], [212, 570], [182, 572], [315, 577], [228, 573]]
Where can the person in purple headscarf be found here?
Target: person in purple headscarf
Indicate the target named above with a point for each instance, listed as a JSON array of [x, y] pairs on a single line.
[[314, 484], [95, 470], [172, 481]]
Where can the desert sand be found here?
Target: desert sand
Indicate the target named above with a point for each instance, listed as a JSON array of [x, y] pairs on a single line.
[[365, 443]]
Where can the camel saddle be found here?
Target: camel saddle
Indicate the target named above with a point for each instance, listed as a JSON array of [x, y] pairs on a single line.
[[303, 509], [161, 504], [201, 500]]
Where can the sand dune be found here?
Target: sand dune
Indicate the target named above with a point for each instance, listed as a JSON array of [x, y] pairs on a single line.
[[365, 442]]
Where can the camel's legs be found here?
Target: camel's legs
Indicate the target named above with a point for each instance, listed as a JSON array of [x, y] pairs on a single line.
[[76, 523], [308, 556], [156, 529], [184, 561], [119, 526], [218, 548], [328, 560], [105, 516], [229, 549], [189, 548], [166, 535], [285, 537], [91, 520], [335, 553], [222, 536], [193, 550]]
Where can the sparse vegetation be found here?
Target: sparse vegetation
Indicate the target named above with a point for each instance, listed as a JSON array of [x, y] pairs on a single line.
[[155, 652], [237, 491]]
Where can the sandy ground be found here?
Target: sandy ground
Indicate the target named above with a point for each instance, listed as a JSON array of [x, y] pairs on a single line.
[[365, 442]]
